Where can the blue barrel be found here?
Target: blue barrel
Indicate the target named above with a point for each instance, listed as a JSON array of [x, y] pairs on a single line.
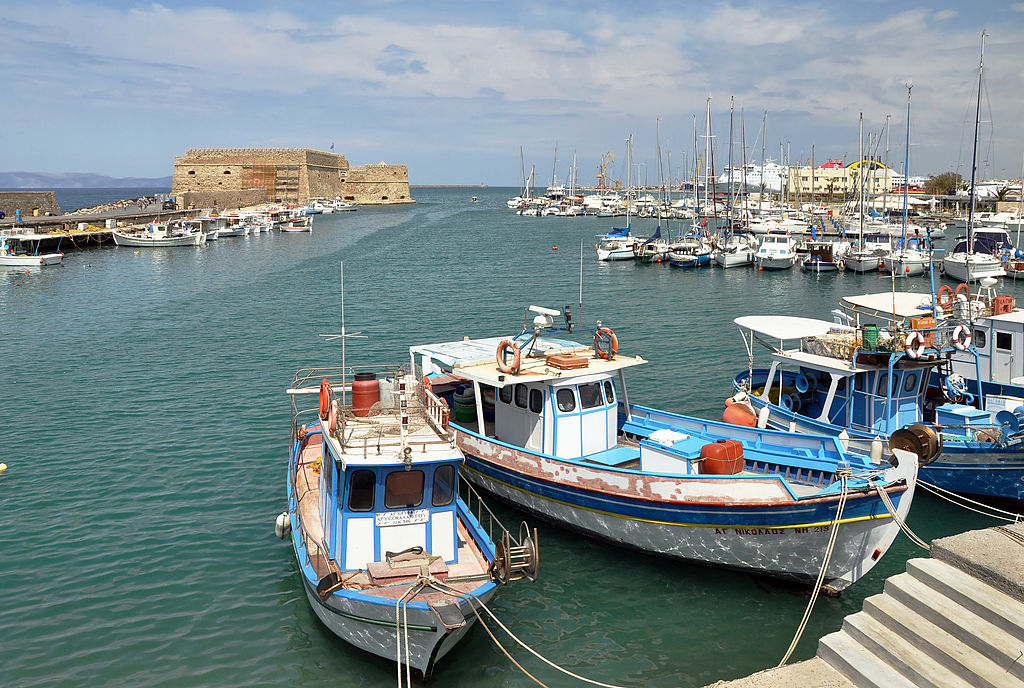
[[465, 403]]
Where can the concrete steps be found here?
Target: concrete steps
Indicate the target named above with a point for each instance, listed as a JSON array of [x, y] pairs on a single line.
[[933, 626]]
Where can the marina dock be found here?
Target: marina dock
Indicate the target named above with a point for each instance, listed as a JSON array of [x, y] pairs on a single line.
[[72, 232], [953, 619]]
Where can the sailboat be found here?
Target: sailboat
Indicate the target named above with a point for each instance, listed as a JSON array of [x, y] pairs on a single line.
[[906, 260], [862, 259], [965, 262]]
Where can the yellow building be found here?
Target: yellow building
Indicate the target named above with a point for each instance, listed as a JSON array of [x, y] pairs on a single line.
[[835, 181]]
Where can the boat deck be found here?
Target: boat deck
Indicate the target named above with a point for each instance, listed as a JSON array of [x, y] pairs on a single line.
[[803, 480], [382, 579]]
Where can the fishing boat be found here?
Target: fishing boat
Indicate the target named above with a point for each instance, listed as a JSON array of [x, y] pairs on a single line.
[[888, 375], [564, 443], [157, 234], [395, 551], [654, 249], [13, 253], [777, 251], [823, 256], [298, 224]]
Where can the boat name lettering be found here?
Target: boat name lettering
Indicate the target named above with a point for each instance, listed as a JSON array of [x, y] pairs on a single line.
[[757, 531], [401, 518]]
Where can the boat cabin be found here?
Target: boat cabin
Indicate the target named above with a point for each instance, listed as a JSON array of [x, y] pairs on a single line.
[[821, 380], [385, 488], [563, 402]]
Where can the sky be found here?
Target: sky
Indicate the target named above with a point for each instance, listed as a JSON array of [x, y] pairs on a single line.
[[454, 89]]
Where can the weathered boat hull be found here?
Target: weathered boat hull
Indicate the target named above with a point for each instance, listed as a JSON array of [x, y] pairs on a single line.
[[370, 625], [31, 261], [676, 517]]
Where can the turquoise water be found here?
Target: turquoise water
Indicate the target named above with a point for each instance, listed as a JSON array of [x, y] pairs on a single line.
[[146, 430]]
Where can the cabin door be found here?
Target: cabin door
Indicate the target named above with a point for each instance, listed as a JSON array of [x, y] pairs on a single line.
[[1004, 341]]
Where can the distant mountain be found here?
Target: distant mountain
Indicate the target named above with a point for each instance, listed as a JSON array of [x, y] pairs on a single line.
[[77, 180]]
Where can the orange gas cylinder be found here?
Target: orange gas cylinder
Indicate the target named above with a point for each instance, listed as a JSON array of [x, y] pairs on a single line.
[[365, 393], [724, 457], [739, 413]]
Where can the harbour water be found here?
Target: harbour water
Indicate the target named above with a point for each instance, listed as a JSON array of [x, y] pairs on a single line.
[[145, 427]]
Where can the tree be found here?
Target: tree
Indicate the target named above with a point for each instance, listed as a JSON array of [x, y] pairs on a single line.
[[945, 184], [1003, 193]]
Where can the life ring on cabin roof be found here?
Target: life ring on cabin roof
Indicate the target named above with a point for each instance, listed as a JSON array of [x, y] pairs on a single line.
[[325, 398], [606, 344], [961, 337], [962, 287], [945, 296], [503, 365], [914, 345]]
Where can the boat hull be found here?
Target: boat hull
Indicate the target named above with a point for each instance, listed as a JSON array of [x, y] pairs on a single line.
[[370, 625], [31, 261], [971, 267], [140, 241], [775, 263], [671, 516]]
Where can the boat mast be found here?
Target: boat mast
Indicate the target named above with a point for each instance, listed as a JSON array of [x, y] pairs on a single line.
[[906, 169], [860, 174], [696, 179], [746, 193], [729, 196], [764, 138], [974, 160], [1020, 202], [888, 180]]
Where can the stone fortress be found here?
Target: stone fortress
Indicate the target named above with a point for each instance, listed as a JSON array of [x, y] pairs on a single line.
[[235, 177]]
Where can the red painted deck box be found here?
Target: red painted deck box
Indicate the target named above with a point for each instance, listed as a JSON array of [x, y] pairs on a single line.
[[724, 457]]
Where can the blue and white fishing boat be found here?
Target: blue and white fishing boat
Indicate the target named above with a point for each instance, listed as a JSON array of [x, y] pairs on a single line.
[[690, 251], [878, 377], [562, 441], [394, 550]]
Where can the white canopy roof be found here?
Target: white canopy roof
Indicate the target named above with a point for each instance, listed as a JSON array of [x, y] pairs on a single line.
[[785, 326], [902, 304]]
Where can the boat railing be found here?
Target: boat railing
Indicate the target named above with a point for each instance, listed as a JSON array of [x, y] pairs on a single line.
[[476, 506], [315, 551]]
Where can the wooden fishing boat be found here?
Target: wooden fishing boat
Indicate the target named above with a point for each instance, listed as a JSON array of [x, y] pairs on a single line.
[[562, 441], [395, 551]]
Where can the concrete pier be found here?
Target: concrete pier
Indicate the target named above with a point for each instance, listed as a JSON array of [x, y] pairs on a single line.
[[953, 620]]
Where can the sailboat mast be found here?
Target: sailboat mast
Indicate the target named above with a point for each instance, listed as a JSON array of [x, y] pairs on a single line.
[[764, 138], [974, 154], [728, 202], [860, 175], [906, 168], [888, 172]]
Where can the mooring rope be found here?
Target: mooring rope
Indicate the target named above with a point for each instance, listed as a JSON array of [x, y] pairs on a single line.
[[961, 501], [402, 624], [899, 519], [473, 598], [844, 475]]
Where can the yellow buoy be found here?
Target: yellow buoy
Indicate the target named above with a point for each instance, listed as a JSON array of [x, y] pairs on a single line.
[[3, 467]]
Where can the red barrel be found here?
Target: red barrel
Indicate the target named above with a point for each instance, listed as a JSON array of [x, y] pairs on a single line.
[[365, 393], [724, 457]]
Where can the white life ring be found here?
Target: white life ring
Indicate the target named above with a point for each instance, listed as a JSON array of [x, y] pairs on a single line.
[[961, 337], [914, 345]]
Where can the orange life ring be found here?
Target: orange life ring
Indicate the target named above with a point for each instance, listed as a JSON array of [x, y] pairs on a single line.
[[325, 398], [332, 417], [503, 365], [962, 287], [427, 385], [914, 345], [945, 296], [605, 334]]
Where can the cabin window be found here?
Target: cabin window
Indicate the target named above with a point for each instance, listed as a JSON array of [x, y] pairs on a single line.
[[841, 386], [590, 395], [505, 394], [609, 392], [443, 491], [860, 382], [360, 490], [521, 393], [328, 471], [1004, 341], [910, 382], [536, 400], [403, 489], [979, 339], [883, 384], [566, 400]]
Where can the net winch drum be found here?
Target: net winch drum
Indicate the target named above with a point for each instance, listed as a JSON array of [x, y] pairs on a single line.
[[1012, 422], [465, 403]]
